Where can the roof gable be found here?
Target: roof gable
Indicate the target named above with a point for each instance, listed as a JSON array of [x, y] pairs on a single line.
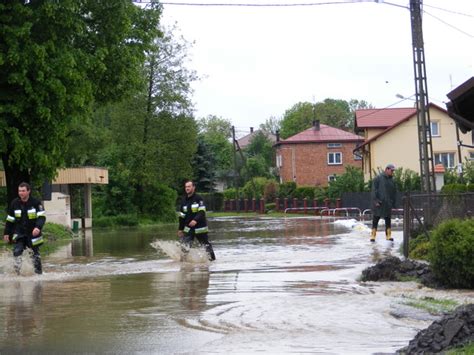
[[382, 118]]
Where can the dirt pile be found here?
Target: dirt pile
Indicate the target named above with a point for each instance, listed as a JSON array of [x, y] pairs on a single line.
[[395, 269], [454, 329]]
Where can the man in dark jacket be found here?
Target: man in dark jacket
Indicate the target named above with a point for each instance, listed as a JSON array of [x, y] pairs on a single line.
[[384, 196], [25, 220], [192, 220]]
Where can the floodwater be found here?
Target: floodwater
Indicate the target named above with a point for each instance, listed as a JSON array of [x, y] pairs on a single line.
[[278, 286]]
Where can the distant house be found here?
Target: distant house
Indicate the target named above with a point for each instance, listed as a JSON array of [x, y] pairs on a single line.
[[391, 136], [317, 155], [244, 141]]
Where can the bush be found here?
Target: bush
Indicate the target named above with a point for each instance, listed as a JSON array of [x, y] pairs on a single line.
[[419, 247], [302, 192], [287, 190], [454, 188], [270, 191], [229, 194], [450, 255], [254, 188]]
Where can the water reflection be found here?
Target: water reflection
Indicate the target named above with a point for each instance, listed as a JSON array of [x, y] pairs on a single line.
[[278, 286]]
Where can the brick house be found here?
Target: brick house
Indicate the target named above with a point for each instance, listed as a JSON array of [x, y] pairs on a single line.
[[316, 155]]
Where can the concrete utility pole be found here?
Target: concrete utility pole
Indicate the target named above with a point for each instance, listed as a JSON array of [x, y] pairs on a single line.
[[422, 100]]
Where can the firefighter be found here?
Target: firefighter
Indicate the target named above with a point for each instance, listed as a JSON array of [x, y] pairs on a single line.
[[384, 196], [192, 220], [25, 220]]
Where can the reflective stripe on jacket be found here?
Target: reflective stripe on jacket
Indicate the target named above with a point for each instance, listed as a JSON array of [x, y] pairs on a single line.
[[193, 208]]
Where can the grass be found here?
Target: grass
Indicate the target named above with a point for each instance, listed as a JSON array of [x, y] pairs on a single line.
[[432, 305], [466, 349]]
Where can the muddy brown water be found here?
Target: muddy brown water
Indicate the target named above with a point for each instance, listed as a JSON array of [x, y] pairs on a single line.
[[278, 286]]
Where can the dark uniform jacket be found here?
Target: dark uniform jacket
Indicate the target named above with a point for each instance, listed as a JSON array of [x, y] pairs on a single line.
[[22, 218], [384, 193], [193, 208]]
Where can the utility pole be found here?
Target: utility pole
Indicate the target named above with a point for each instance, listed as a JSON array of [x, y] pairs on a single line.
[[422, 100]]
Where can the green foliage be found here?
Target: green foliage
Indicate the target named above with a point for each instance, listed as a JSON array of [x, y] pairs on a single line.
[[255, 188], [260, 145], [53, 231], [216, 133], [203, 162], [270, 191], [406, 180], [351, 181], [454, 188], [452, 248], [58, 58], [333, 112], [302, 192], [230, 194], [419, 247], [287, 189], [255, 167]]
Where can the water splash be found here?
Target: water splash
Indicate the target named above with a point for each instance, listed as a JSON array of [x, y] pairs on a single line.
[[178, 252], [354, 225], [7, 263]]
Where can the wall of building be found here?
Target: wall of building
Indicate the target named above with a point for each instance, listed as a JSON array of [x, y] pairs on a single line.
[[307, 163], [400, 145], [58, 210]]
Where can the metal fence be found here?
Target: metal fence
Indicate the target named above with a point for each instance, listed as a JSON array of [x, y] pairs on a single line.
[[423, 212]]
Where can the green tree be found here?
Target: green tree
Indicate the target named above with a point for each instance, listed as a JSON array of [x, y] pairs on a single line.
[[58, 58], [297, 119], [333, 112], [204, 175], [271, 125], [351, 181], [217, 132]]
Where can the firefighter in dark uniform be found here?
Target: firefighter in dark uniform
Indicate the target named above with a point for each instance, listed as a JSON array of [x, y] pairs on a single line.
[[25, 220], [192, 220]]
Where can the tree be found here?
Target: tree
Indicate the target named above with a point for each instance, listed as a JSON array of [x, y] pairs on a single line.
[[351, 181], [333, 112], [297, 119], [216, 133], [58, 59], [271, 125], [204, 175]]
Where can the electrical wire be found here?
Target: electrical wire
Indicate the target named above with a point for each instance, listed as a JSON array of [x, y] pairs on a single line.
[[449, 25], [258, 5], [446, 10]]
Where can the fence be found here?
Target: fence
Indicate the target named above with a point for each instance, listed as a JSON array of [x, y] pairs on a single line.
[[422, 212]]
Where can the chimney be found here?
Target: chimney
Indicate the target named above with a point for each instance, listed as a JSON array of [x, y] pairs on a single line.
[[277, 135], [251, 130], [316, 125]]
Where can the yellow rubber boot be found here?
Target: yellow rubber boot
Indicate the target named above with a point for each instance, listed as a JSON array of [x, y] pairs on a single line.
[[373, 234], [388, 234]]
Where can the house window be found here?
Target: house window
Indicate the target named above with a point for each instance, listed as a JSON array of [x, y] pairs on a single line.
[[447, 159], [334, 145], [279, 161], [471, 156], [434, 127], [357, 156], [335, 158], [331, 178]]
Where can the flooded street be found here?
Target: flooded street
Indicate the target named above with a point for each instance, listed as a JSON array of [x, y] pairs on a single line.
[[278, 286]]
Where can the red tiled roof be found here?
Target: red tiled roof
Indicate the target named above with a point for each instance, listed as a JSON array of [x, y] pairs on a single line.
[[324, 134], [382, 118], [397, 122]]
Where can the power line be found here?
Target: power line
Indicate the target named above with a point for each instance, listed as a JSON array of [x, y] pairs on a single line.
[[446, 10], [257, 5], [449, 25]]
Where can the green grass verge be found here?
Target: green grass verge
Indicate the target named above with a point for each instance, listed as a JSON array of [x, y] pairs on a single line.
[[432, 305], [255, 214], [467, 349]]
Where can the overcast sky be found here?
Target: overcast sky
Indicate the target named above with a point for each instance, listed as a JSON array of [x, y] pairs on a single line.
[[257, 62]]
